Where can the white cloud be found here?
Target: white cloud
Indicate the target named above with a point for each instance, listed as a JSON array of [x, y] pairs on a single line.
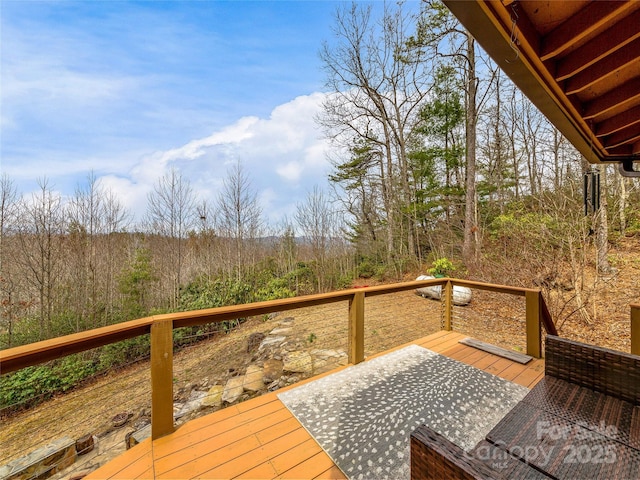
[[291, 171], [132, 195], [283, 155], [233, 134]]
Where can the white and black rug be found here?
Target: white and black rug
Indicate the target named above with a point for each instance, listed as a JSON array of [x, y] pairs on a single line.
[[363, 415]]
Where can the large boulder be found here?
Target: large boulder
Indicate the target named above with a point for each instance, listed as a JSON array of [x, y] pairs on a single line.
[[461, 295], [429, 292]]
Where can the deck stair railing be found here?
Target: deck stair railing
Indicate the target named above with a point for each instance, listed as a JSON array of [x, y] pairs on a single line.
[[161, 329]]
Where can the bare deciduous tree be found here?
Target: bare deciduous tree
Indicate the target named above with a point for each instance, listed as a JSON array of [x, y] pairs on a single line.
[[86, 219], [39, 231], [239, 218], [171, 214], [316, 219], [8, 280], [378, 84]]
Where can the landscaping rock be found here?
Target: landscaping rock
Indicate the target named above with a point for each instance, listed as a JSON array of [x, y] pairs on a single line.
[[281, 331], [43, 462], [461, 295], [213, 397], [272, 342], [328, 353], [138, 436], [273, 386], [82, 473], [299, 362], [120, 419], [272, 370], [253, 379], [84, 444], [194, 403], [233, 389], [287, 321], [325, 360]]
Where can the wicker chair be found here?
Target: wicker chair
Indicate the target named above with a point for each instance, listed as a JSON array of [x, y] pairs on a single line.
[[600, 369], [435, 457], [589, 398]]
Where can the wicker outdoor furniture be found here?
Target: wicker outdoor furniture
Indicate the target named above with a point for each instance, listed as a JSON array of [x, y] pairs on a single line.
[[582, 420]]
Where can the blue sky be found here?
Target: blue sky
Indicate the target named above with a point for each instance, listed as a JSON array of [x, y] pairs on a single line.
[[130, 89]]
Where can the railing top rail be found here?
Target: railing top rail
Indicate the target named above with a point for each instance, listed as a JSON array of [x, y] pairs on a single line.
[[521, 291], [15, 358], [35, 353]]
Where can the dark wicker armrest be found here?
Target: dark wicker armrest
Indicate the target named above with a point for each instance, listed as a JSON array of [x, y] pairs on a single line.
[[601, 369], [435, 457]]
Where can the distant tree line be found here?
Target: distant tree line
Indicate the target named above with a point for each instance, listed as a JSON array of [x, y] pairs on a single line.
[[69, 264]]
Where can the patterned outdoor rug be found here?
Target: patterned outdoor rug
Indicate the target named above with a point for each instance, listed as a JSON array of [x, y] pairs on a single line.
[[363, 415]]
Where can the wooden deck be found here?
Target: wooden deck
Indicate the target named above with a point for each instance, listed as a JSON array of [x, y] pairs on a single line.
[[260, 438]]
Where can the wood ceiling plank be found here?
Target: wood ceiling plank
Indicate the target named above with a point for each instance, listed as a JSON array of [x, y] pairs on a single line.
[[622, 137], [635, 149], [604, 68], [620, 121], [617, 97], [599, 47], [621, 151], [581, 25]]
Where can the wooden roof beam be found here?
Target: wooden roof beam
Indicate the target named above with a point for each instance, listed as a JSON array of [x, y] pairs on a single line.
[[628, 135], [620, 121], [635, 149], [581, 25], [607, 42], [623, 151], [605, 68], [617, 97]]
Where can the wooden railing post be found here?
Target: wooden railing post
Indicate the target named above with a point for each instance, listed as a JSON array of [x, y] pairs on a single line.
[[161, 378], [534, 337], [356, 328], [448, 303], [635, 329]]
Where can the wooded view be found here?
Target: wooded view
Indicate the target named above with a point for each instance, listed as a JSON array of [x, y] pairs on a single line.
[[440, 157]]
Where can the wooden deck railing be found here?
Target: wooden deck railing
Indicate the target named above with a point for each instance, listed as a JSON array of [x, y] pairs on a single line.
[[161, 329], [635, 329]]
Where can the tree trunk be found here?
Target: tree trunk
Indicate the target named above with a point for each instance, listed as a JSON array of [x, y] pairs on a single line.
[[602, 229], [624, 197], [468, 245]]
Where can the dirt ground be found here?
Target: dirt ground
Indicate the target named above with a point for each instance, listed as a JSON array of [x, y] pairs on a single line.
[[390, 320]]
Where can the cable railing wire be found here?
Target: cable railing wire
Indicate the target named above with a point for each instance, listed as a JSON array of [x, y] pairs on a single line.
[[88, 410], [497, 318]]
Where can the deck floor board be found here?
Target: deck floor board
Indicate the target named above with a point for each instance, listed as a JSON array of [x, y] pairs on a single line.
[[260, 438]]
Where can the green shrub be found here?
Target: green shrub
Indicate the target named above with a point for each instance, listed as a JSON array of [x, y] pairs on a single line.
[[441, 267], [124, 352], [366, 269], [31, 385]]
